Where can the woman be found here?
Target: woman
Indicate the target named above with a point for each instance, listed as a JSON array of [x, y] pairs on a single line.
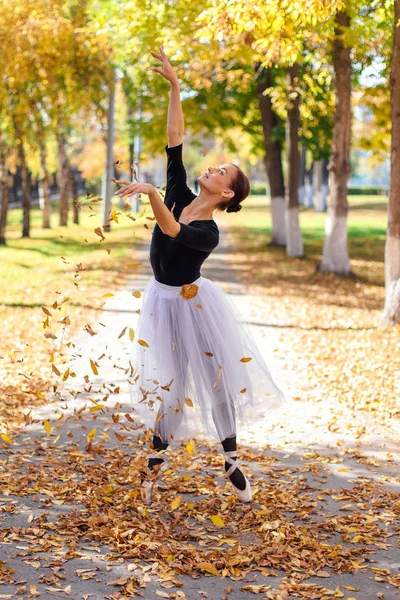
[[198, 368]]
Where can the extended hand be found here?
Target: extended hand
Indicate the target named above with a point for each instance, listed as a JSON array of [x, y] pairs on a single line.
[[130, 188], [167, 70]]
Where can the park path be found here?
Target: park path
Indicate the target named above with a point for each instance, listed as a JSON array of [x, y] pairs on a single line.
[[313, 446]]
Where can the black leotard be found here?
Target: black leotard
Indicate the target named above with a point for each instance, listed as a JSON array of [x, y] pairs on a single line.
[[176, 261]]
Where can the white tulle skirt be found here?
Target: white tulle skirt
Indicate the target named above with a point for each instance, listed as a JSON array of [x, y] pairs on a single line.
[[196, 368]]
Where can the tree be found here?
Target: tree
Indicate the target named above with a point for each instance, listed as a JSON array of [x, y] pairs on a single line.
[[392, 249], [335, 253]]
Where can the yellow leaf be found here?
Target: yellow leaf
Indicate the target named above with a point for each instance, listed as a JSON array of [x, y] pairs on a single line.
[[7, 438], [188, 402], [136, 294], [217, 521], [47, 426], [95, 408], [176, 502], [108, 295], [246, 359], [206, 566], [135, 264], [131, 334], [91, 435], [66, 375], [94, 367], [57, 438], [143, 343], [243, 390], [191, 447]]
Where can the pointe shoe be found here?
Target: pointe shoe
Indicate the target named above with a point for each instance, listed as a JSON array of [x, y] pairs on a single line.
[[242, 495], [147, 486]]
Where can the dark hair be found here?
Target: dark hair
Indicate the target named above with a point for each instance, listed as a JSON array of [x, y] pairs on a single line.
[[241, 187]]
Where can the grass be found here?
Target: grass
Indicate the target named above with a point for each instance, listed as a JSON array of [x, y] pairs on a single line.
[[32, 267], [24, 259], [366, 227]]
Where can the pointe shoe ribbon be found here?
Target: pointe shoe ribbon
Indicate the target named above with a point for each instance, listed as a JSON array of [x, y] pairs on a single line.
[[242, 495]]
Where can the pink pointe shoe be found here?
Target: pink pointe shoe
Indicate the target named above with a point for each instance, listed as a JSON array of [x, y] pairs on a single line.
[[147, 487], [242, 495]]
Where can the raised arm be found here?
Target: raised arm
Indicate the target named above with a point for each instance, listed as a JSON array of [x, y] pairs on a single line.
[[175, 125]]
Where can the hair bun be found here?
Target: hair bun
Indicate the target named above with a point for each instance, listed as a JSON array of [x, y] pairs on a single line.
[[234, 208]]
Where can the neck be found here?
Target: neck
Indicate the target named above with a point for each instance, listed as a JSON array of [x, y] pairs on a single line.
[[201, 207]]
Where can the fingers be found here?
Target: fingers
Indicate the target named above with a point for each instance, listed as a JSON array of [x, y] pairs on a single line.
[[129, 188], [156, 55], [122, 181]]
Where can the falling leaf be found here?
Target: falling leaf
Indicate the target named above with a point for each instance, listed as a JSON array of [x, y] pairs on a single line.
[[122, 332], [143, 343], [91, 435], [189, 402], [7, 438], [94, 367], [246, 359], [136, 294], [108, 295], [47, 426]]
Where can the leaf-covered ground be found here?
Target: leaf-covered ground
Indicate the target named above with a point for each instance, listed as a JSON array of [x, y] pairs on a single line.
[[324, 522]]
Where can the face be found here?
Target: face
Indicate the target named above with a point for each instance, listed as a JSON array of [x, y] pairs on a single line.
[[217, 180]]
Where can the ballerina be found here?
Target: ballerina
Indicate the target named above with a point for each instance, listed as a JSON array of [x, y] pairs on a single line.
[[198, 369]]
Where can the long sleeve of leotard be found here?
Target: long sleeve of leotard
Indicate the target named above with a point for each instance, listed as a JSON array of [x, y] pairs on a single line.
[[176, 174], [203, 237]]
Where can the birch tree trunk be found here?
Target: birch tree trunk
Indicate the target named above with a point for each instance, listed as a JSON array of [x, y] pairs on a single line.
[[309, 187], [3, 196], [294, 240], [321, 185], [273, 160], [391, 314], [335, 253], [63, 171]]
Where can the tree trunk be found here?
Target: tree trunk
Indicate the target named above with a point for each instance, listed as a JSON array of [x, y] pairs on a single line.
[[321, 185], [309, 187], [335, 254], [44, 184], [302, 175], [294, 240], [273, 160], [26, 189], [391, 315], [3, 196], [74, 193], [63, 171]]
